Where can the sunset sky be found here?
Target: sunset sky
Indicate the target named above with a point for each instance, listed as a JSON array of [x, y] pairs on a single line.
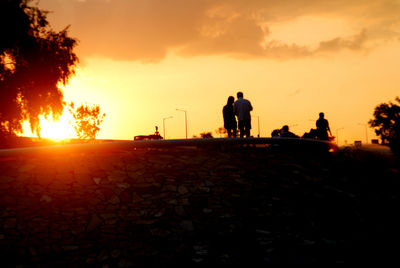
[[140, 60]]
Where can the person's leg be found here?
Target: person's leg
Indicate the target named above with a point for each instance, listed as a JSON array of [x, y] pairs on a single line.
[[229, 132], [241, 128], [248, 127]]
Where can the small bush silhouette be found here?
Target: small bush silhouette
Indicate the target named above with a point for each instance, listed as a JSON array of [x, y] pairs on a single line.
[[206, 135], [387, 124], [87, 120]]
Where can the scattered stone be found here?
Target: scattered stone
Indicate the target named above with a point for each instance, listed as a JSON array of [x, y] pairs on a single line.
[[94, 222], [26, 168], [125, 263], [204, 189], [45, 198], [263, 232], [115, 253], [114, 200], [200, 250], [123, 185], [180, 211], [90, 261], [173, 201], [102, 256], [182, 189], [70, 247], [108, 216], [208, 183], [159, 214], [207, 210], [169, 188], [6, 179], [33, 251], [97, 180], [187, 225], [136, 198], [117, 176], [10, 223]]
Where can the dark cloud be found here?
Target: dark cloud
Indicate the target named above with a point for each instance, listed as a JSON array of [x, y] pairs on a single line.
[[353, 43], [148, 30]]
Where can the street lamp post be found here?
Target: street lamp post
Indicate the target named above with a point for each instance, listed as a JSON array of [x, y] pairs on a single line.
[[258, 121], [185, 119], [366, 131], [337, 135], [164, 125]]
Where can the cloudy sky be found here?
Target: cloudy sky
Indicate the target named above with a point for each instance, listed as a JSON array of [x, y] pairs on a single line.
[[142, 59]]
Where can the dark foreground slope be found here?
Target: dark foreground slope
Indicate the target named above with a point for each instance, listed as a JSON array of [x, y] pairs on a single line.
[[195, 207]]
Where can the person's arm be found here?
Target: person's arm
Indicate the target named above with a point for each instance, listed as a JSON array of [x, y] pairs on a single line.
[[251, 107], [329, 129]]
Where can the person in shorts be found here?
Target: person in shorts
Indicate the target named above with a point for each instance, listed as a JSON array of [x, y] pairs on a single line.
[[242, 109]]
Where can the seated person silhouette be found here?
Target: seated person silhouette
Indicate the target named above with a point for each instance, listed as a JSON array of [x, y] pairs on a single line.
[[286, 133], [275, 133], [310, 135]]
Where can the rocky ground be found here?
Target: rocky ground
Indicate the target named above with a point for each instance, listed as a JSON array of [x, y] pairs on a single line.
[[196, 207]]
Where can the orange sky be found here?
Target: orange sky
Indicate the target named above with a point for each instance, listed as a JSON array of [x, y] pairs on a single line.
[[140, 60]]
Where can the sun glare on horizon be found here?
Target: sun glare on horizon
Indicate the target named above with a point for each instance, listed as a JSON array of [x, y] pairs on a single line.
[[53, 129]]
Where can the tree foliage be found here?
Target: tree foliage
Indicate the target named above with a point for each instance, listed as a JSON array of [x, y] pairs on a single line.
[[221, 131], [87, 120], [387, 123], [34, 62]]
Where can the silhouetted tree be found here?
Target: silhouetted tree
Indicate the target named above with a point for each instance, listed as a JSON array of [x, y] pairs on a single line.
[[87, 120], [387, 123], [34, 62]]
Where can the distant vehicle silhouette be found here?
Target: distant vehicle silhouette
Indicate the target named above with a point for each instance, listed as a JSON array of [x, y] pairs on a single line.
[[155, 136]]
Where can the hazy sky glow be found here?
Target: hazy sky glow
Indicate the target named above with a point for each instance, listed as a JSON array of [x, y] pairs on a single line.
[[142, 59]]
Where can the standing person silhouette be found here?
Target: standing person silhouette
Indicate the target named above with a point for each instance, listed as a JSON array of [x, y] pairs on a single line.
[[242, 108], [229, 118], [323, 128]]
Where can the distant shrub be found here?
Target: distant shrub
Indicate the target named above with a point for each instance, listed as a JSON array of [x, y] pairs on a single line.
[[387, 124]]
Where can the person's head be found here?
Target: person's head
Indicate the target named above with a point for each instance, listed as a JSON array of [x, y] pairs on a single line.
[[285, 128], [275, 133], [231, 100], [239, 94], [321, 115]]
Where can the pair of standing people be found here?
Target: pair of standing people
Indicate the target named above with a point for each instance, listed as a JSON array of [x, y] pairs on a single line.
[[241, 109]]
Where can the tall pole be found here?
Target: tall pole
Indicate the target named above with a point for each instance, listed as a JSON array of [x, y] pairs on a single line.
[[185, 119], [366, 131], [164, 125], [258, 122], [337, 135]]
